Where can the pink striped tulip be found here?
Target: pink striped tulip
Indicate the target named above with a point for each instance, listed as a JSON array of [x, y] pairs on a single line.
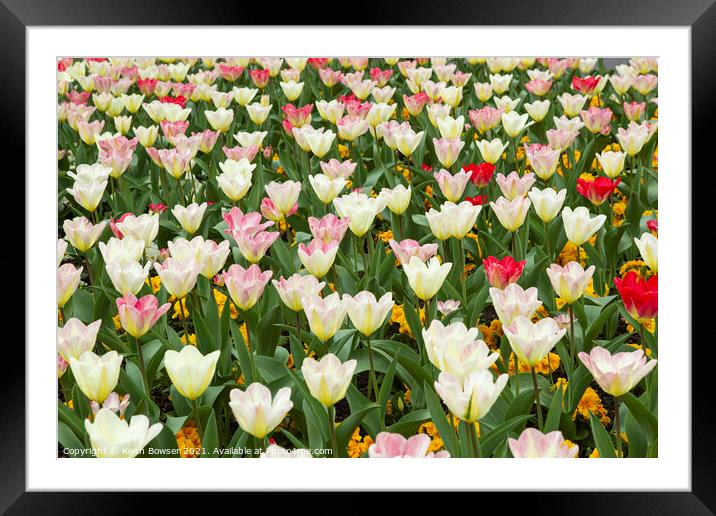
[[138, 316], [246, 285], [533, 444], [619, 373], [390, 445]]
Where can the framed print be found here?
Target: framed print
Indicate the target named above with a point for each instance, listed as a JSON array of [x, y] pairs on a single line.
[[339, 243]]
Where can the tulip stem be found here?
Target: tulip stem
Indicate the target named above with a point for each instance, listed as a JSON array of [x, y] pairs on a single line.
[[89, 269], [332, 429], [195, 415], [514, 245], [463, 277], [373, 379], [417, 337], [142, 368], [572, 347], [64, 321], [617, 427], [537, 402], [475, 440], [547, 242]]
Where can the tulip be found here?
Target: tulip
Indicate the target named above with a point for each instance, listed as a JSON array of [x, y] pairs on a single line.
[[533, 444], [379, 113], [177, 277], [470, 398], [453, 220], [448, 306], [113, 404], [74, 338], [561, 139], [571, 281], [284, 195], [253, 246], [538, 86], [597, 120], [126, 250], [328, 228], [425, 279], [258, 113], [649, 249], [96, 376], [319, 143], [214, 257], [483, 90], [619, 373], [256, 412], [328, 379], [175, 161], [485, 119], [397, 199], [501, 273], [291, 89], [451, 128], [455, 349], [81, 233], [235, 179], [640, 296], [294, 288], [447, 150], [318, 256], [511, 213], [506, 104], [88, 194], [360, 209], [532, 341], [61, 250], [481, 174], [452, 186], [325, 316], [406, 249], [491, 151], [334, 168], [513, 301], [248, 139], [407, 141], [246, 285], [137, 316], [572, 104], [513, 185], [597, 190], [112, 437], [537, 109], [190, 217], [147, 135], [127, 277], [326, 189], [190, 371], [500, 83], [543, 159], [632, 139], [513, 123], [612, 163], [351, 127], [243, 96], [366, 312], [68, 279], [579, 226], [547, 203], [145, 227], [390, 445], [189, 252]]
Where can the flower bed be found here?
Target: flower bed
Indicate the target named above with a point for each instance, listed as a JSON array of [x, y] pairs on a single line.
[[357, 257]]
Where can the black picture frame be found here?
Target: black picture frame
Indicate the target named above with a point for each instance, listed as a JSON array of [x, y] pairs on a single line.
[[17, 15]]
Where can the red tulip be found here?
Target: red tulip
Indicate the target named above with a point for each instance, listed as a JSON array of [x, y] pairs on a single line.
[[585, 84], [597, 190], [477, 200], [640, 296], [481, 174], [501, 273]]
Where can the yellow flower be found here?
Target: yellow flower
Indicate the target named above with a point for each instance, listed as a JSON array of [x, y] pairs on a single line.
[[398, 317], [188, 441], [221, 299], [565, 159], [586, 176], [117, 324], [594, 454], [436, 443], [548, 363], [569, 254], [182, 312], [154, 282], [638, 346], [492, 333], [343, 151], [358, 445], [632, 265], [591, 403], [192, 339], [385, 236], [405, 114]]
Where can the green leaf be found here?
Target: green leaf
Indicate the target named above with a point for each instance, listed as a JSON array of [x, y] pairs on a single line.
[[211, 437], [490, 441], [385, 388], [446, 430], [348, 425], [68, 438], [602, 440], [643, 415], [555, 411]]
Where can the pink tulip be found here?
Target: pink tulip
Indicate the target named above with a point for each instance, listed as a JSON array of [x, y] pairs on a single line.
[[248, 223], [448, 306], [406, 249], [619, 373], [335, 169], [68, 279], [238, 153], [513, 185], [171, 129], [533, 444], [538, 86], [208, 140], [116, 153], [597, 120], [389, 445], [137, 316], [269, 210], [486, 118], [284, 195], [246, 285], [452, 186], [328, 228]]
